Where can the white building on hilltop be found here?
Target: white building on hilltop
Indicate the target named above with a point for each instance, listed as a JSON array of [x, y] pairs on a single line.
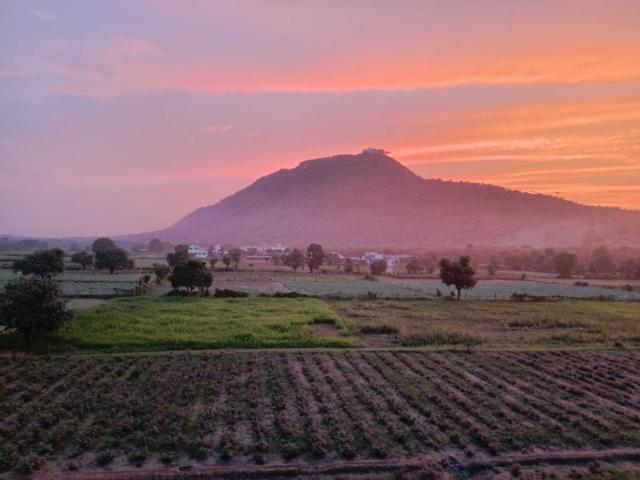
[[198, 251]]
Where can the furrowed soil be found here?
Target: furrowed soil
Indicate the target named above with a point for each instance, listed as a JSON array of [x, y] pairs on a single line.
[[357, 414]]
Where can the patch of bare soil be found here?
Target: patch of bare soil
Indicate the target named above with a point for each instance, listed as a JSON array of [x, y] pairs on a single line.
[[324, 330], [382, 340]]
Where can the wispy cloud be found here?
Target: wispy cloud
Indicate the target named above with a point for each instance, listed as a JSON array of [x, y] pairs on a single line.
[[218, 127], [42, 14]]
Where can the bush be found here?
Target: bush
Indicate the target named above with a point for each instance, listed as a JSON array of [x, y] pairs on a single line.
[[440, 338], [378, 329], [228, 293]]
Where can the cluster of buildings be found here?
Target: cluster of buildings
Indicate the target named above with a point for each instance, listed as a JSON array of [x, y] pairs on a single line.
[[255, 252], [263, 251], [393, 261]]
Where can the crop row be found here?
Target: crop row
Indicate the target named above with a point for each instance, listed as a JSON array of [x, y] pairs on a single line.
[[261, 407]]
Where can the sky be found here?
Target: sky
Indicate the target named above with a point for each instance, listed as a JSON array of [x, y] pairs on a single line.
[[122, 116]]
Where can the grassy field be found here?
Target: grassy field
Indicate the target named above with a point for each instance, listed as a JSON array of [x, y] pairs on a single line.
[[493, 324], [250, 408], [179, 323], [89, 284]]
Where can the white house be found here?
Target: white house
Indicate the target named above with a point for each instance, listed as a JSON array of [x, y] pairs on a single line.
[[198, 251]]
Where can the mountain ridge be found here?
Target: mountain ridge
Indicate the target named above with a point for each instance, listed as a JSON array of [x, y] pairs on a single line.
[[371, 200]]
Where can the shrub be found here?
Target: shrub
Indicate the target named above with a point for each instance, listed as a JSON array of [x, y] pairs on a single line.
[[440, 338], [378, 329], [228, 293]]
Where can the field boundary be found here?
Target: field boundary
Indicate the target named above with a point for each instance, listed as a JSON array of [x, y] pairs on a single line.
[[434, 461]]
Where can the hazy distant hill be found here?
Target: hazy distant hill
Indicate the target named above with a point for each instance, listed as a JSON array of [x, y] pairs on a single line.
[[371, 200]]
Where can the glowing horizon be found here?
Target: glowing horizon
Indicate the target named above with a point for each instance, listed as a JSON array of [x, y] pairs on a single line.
[[122, 116]]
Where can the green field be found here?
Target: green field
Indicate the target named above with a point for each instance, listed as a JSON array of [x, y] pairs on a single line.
[[179, 323], [493, 323], [89, 284]]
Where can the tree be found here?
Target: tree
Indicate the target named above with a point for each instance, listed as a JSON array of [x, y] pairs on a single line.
[[113, 259], [235, 255], [226, 260], [458, 273], [191, 274], [45, 263], [157, 246], [564, 264], [493, 266], [630, 269], [413, 266], [348, 265], [212, 262], [31, 306], [601, 262], [294, 259], [85, 259], [102, 244], [315, 256], [180, 254], [161, 271], [378, 267]]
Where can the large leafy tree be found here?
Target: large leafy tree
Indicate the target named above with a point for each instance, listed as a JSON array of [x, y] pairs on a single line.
[[180, 254], [113, 259], [162, 271], [564, 264], [191, 274], [315, 256], [45, 263], [103, 244], [294, 259], [378, 266], [458, 273], [85, 259], [601, 262], [32, 306]]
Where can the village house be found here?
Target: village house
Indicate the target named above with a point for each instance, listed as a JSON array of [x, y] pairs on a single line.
[[198, 251]]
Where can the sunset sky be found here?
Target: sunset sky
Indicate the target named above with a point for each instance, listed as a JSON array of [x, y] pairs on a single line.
[[122, 116]]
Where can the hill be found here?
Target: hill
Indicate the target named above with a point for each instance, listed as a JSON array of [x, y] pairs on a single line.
[[371, 200]]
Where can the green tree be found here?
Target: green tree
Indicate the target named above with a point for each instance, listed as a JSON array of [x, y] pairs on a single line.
[[235, 255], [45, 263], [315, 257], [601, 262], [31, 306], [156, 246], [378, 267], [102, 244], [226, 260], [458, 273], [564, 264], [161, 271], [294, 259], [180, 254], [413, 266], [191, 274], [85, 259], [493, 265], [212, 262], [348, 265], [113, 259], [630, 269]]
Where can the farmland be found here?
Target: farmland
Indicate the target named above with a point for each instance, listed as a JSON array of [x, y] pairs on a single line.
[[234, 408], [179, 323], [504, 289], [88, 284], [493, 324]]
